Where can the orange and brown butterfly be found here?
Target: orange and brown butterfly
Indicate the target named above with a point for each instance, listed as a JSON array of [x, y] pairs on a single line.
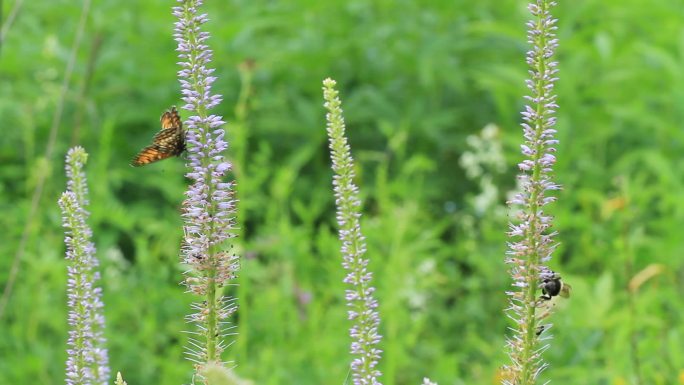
[[168, 142]]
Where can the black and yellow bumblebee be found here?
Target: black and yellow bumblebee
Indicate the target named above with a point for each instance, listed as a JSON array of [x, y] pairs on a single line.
[[552, 286]]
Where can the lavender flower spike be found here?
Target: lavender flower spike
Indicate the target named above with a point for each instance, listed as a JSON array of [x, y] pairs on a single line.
[[532, 242], [87, 361], [362, 305], [76, 179], [209, 209]]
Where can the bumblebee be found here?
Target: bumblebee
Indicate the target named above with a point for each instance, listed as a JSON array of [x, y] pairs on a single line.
[[552, 286], [540, 330]]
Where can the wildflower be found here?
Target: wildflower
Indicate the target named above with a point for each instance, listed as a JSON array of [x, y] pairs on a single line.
[[87, 361], [360, 300], [209, 208], [76, 179], [119, 379], [532, 241]]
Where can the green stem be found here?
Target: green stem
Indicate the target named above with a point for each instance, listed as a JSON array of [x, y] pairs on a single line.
[[212, 332]]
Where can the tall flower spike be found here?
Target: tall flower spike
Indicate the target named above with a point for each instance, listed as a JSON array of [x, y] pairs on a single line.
[[532, 242], [362, 305], [209, 209], [87, 361]]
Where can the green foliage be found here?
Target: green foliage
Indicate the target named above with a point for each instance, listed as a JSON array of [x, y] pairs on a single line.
[[417, 78]]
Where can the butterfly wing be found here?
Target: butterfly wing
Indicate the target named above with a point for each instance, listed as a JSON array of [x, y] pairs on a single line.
[[153, 153], [168, 142], [171, 119]]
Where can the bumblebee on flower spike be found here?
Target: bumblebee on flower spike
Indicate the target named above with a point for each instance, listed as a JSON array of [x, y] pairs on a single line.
[[552, 286]]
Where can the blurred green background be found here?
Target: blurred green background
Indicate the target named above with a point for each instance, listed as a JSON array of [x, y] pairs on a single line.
[[420, 81]]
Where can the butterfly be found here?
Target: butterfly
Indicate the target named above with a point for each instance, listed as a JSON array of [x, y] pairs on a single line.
[[170, 141]]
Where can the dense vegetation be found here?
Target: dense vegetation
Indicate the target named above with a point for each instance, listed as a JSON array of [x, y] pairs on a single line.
[[420, 81]]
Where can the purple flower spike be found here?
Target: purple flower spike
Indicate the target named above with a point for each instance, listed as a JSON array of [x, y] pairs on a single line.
[[87, 361], [209, 207], [360, 301], [532, 243]]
